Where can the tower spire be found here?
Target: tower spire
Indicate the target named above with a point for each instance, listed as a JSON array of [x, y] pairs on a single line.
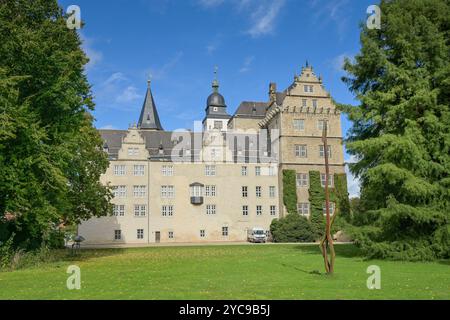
[[149, 80], [215, 83], [149, 118]]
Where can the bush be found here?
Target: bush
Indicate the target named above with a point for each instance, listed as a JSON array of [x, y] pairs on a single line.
[[6, 253], [292, 228]]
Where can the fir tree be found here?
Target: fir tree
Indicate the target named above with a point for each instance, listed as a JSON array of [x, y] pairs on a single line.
[[401, 131]]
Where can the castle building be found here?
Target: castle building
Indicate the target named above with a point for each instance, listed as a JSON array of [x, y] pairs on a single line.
[[216, 183]]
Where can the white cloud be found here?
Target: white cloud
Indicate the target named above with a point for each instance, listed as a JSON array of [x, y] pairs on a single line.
[[247, 63], [210, 3], [115, 78], [262, 14], [162, 72], [336, 11], [118, 92], [263, 19], [95, 56], [129, 94]]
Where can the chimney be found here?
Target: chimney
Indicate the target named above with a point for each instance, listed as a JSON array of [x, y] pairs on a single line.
[[272, 92]]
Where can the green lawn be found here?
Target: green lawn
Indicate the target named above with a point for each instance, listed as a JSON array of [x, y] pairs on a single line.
[[225, 272]]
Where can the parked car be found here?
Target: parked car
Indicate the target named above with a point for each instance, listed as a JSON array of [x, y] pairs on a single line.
[[256, 235]]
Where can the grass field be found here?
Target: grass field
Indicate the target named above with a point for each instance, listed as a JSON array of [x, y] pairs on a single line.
[[225, 272]]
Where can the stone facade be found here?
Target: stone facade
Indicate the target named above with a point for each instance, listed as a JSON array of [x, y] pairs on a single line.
[[216, 184]]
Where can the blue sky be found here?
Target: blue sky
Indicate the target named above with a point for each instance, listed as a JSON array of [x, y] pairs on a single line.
[[178, 42]]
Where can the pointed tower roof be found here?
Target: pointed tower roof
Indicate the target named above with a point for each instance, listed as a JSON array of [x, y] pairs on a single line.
[[149, 119]]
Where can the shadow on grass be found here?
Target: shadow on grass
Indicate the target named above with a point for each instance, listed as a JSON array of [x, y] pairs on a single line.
[[64, 255], [445, 262], [342, 250]]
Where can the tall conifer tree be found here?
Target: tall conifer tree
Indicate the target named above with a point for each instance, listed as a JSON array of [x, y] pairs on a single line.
[[401, 129]]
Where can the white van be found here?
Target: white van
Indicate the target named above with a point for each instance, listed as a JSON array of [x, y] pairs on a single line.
[[256, 235]]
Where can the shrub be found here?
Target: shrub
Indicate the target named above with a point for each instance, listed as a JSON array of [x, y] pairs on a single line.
[[292, 228], [6, 253]]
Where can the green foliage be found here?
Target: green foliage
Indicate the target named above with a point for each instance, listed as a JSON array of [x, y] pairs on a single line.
[[401, 131], [292, 228], [341, 196], [51, 156], [290, 191], [6, 252], [316, 199], [338, 195]]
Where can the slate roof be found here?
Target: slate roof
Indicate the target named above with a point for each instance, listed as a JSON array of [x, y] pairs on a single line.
[[250, 109], [149, 118], [160, 144]]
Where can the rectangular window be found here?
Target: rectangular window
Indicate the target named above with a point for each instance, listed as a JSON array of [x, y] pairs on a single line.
[[139, 170], [210, 209], [215, 153], [330, 180], [117, 234], [299, 124], [321, 124], [119, 170], [225, 231], [244, 171], [304, 103], [301, 151], [322, 153], [119, 210], [197, 191], [139, 191], [324, 207], [272, 191], [202, 233], [167, 192], [140, 234], [302, 179], [273, 210], [167, 211], [311, 89], [245, 210], [303, 208], [210, 191], [210, 170], [167, 171], [170, 234], [258, 192], [271, 171], [119, 191], [257, 171], [218, 125], [140, 210], [259, 210], [306, 88], [244, 192], [314, 103], [133, 151]]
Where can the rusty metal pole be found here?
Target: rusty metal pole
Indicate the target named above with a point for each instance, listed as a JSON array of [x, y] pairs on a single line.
[[327, 242]]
